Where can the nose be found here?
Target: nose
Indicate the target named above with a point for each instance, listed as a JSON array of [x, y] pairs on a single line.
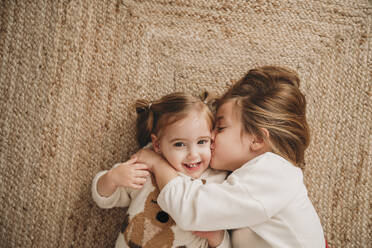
[[192, 153]]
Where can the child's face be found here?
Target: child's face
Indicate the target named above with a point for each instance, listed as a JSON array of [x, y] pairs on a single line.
[[186, 144], [231, 148]]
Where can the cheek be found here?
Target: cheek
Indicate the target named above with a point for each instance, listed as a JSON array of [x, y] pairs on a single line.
[[177, 155], [207, 154], [205, 151], [219, 141], [225, 146], [171, 155]]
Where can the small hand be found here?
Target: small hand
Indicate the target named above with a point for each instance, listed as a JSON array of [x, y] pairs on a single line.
[[214, 238], [129, 174]]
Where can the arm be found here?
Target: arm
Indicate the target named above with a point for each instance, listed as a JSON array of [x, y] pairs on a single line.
[[249, 196], [109, 187], [195, 206], [207, 207]]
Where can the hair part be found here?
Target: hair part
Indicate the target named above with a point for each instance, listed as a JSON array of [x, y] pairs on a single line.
[[152, 117], [269, 97]]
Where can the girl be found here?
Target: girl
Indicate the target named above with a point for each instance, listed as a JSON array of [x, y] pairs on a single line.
[[179, 126], [261, 135]]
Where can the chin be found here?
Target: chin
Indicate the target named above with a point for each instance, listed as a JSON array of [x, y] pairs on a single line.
[[213, 165], [217, 166]]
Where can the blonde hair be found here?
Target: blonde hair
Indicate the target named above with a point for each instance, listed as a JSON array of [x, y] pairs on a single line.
[[156, 115], [269, 97]]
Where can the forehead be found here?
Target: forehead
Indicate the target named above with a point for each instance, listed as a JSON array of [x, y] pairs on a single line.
[[228, 111], [194, 124]]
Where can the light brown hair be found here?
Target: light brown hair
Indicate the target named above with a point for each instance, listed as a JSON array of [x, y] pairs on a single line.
[[269, 97], [153, 116]]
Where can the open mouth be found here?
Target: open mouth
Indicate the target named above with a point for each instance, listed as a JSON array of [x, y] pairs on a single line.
[[192, 166]]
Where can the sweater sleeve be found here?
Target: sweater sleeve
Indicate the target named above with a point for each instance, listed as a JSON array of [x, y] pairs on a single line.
[[120, 198], [195, 206], [249, 196]]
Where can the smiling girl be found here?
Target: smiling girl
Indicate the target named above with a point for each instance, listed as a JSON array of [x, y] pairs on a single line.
[[178, 127]]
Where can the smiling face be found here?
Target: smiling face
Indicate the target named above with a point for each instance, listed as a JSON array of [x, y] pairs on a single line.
[[186, 144], [232, 146]]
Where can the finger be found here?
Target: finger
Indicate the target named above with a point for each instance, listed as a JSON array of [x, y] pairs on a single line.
[[140, 166], [142, 173], [136, 186], [140, 180]]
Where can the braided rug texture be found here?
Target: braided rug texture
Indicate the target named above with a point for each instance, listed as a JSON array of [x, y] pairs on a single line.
[[71, 70]]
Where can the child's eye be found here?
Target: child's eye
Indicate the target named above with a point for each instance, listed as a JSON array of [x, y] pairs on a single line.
[[179, 144], [203, 141], [219, 129]]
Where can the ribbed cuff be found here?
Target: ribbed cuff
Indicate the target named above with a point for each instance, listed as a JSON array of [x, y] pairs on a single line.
[[102, 201]]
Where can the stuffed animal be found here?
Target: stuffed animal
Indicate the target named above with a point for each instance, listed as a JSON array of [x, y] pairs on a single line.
[[147, 226], [151, 227]]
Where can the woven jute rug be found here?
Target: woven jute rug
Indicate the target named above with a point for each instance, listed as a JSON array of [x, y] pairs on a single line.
[[71, 70]]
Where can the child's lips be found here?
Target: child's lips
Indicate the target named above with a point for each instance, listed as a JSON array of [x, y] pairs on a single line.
[[192, 166]]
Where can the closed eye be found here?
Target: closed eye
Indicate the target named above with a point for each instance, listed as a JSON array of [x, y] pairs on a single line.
[[220, 129]]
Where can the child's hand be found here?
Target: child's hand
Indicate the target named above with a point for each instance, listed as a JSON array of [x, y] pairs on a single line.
[[214, 238], [148, 157], [129, 174]]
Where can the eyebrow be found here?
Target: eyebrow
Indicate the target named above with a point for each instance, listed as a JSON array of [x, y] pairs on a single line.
[[204, 137], [178, 139]]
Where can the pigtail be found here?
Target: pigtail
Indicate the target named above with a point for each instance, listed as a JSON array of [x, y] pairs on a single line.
[[209, 98], [145, 121]]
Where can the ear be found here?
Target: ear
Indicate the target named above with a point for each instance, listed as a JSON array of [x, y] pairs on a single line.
[[260, 144], [155, 143]]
